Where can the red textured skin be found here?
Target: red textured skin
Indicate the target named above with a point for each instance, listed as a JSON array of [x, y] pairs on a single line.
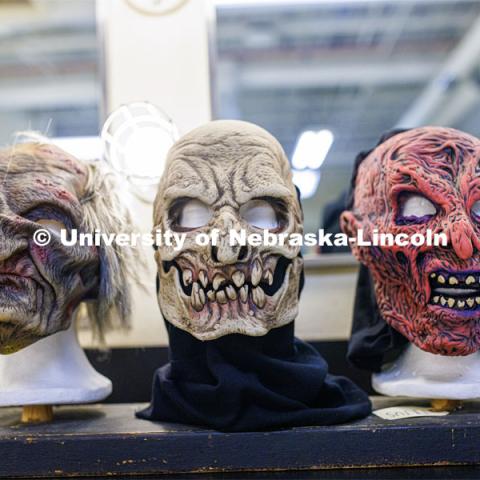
[[443, 165]]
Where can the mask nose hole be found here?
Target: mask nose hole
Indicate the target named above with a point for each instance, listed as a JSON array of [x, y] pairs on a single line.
[[215, 253], [242, 254]]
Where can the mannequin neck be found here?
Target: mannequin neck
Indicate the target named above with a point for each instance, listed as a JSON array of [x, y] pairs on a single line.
[[420, 374], [52, 371]]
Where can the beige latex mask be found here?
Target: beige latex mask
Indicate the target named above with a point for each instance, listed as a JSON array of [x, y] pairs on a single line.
[[227, 175]]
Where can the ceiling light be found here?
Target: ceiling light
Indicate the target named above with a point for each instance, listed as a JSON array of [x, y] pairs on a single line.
[[307, 181], [312, 149]]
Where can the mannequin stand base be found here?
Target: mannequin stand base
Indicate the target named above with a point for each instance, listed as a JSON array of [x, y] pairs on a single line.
[[444, 405], [37, 414]]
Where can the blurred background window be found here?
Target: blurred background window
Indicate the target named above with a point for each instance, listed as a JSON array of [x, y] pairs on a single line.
[[49, 68], [327, 78]]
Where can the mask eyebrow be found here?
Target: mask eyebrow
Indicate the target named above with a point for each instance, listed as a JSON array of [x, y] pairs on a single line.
[[419, 184], [55, 207], [71, 209], [49, 210], [279, 192], [175, 192]]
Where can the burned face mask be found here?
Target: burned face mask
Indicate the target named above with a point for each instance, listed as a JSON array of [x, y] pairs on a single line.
[[423, 179], [227, 176], [42, 286]]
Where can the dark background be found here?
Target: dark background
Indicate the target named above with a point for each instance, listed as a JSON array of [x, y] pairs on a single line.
[[131, 369]]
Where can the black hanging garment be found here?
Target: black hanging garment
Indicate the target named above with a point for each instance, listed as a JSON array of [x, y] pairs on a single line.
[[242, 383], [373, 342]]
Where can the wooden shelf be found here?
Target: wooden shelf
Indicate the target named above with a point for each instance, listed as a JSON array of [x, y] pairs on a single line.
[[102, 440]]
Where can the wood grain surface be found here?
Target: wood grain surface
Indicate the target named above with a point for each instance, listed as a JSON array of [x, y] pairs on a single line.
[[101, 440]]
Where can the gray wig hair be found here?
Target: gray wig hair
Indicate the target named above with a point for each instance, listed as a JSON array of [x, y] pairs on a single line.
[[104, 210]]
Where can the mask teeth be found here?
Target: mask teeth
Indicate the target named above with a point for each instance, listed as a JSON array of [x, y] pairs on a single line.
[[452, 280], [238, 278], [202, 276], [231, 293], [458, 291], [221, 297], [218, 280], [199, 297], [244, 294], [211, 296], [256, 273], [187, 277], [222, 290], [459, 304], [196, 297], [258, 297]]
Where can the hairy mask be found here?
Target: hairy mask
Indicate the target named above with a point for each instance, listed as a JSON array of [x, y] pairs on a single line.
[[227, 175], [424, 179], [42, 187]]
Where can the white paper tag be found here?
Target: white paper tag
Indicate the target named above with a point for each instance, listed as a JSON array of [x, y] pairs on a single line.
[[397, 413]]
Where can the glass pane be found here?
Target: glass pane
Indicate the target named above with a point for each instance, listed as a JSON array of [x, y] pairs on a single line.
[[351, 68], [49, 74]]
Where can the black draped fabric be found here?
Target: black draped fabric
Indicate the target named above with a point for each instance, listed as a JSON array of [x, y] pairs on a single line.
[[242, 383], [373, 341]]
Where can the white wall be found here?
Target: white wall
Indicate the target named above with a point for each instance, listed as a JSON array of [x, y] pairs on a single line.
[[160, 59], [163, 60]]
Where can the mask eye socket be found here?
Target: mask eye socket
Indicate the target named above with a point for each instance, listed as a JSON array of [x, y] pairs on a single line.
[[476, 209], [189, 213], [260, 213], [50, 217], [53, 225], [415, 208]]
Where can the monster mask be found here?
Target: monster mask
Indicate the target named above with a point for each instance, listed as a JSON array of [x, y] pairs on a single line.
[[425, 178], [227, 175], [42, 187]]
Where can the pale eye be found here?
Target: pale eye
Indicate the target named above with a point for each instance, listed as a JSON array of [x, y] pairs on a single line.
[[416, 208], [476, 208], [193, 214], [53, 225], [260, 214]]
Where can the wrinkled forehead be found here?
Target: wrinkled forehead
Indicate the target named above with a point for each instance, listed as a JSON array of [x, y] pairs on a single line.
[[227, 168], [426, 151], [431, 151], [43, 171], [419, 157]]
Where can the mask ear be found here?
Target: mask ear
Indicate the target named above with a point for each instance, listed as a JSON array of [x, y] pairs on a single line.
[[302, 273], [348, 223], [350, 226]]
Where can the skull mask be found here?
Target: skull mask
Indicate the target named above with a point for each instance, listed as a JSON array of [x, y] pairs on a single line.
[[426, 178], [41, 286], [227, 175]]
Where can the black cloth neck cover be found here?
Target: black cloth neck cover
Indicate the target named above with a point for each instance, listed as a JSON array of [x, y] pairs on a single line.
[[242, 383], [373, 342]]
